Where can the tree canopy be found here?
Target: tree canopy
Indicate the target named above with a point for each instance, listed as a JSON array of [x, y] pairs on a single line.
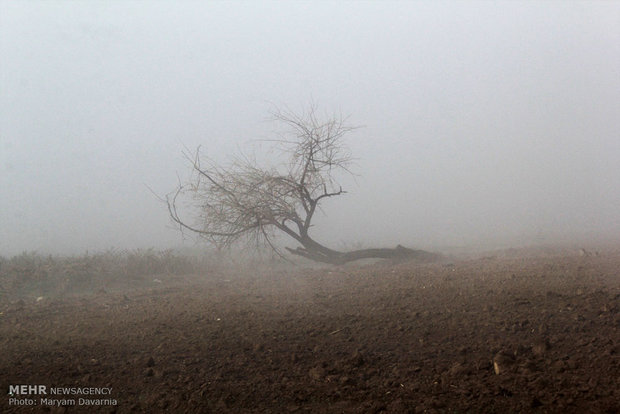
[[244, 201]]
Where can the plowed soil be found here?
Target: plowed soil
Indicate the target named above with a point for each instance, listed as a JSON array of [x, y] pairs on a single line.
[[530, 332]]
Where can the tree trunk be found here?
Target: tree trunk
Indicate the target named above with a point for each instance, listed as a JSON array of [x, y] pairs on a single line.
[[333, 257]]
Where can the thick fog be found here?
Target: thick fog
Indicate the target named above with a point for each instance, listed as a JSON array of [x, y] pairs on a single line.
[[485, 123]]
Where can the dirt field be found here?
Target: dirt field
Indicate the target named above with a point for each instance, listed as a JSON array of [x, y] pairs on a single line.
[[515, 332]]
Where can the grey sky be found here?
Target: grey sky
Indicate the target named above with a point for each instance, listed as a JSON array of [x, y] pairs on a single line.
[[485, 122]]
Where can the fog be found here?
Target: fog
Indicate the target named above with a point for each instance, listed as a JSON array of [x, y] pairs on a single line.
[[484, 123]]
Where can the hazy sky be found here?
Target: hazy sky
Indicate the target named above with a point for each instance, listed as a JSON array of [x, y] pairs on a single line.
[[485, 122]]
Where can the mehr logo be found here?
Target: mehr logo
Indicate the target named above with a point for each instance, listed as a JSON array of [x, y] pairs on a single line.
[[27, 390]]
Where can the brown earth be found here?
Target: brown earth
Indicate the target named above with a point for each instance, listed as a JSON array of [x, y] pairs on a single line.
[[511, 333]]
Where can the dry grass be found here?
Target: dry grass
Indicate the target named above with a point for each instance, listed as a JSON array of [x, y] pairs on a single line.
[[31, 273]]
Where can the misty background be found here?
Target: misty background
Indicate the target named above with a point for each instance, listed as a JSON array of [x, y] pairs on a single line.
[[485, 123]]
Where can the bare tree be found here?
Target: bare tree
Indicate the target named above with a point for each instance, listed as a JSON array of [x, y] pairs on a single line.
[[242, 201]]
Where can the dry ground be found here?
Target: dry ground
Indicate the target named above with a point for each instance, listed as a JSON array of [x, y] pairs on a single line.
[[535, 332]]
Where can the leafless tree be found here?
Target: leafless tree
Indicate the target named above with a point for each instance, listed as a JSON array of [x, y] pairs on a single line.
[[242, 201]]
